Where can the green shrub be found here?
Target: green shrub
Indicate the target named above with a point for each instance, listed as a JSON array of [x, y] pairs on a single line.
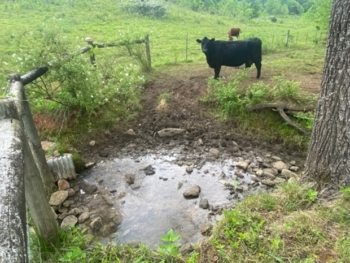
[[152, 8], [108, 91]]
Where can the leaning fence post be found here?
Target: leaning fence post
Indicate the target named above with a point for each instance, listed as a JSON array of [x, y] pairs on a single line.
[[148, 51], [35, 194], [13, 237], [32, 134]]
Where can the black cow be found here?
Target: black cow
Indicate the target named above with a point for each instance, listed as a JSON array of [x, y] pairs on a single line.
[[232, 53]]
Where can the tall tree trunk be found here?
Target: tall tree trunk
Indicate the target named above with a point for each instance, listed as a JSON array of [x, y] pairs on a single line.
[[328, 160]]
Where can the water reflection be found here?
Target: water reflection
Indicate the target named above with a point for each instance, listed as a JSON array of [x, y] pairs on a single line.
[[158, 204]]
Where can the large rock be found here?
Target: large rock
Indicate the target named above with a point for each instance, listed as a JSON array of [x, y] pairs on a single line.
[[192, 192], [288, 174], [279, 165], [69, 221], [58, 198], [169, 132], [63, 184], [242, 165]]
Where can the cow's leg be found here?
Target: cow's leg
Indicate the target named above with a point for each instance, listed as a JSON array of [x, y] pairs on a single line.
[[258, 68], [217, 72]]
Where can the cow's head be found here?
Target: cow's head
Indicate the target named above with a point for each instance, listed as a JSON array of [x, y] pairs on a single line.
[[206, 43]]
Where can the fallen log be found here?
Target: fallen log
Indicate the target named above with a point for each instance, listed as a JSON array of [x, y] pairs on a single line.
[[281, 107]]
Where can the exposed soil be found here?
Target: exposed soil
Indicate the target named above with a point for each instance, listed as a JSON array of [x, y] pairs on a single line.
[[183, 87]]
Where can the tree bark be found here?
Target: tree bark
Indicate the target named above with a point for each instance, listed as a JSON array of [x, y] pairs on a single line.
[[328, 160]]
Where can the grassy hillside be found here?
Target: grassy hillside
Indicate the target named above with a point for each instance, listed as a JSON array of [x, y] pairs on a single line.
[[107, 22]]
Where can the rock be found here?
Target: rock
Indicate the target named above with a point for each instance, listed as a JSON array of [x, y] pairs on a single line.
[[107, 200], [71, 192], [214, 152], [96, 224], [294, 168], [206, 229], [259, 173], [68, 203], [69, 221], [268, 182], [179, 185], [130, 132], [288, 174], [88, 188], [239, 174], [192, 192], [279, 165], [149, 170], [186, 248], [83, 217], [58, 198], [189, 169], [242, 165], [92, 143], [121, 195], [169, 132], [89, 165], [75, 211], [276, 158], [135, 186], [129, 178], [269, 175], [63, 184], [273, 171], [204, 203]]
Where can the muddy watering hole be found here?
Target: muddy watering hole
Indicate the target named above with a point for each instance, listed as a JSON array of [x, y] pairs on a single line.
[[155, 203]]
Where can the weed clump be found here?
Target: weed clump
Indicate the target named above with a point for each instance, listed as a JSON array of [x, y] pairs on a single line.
[[153, 9]]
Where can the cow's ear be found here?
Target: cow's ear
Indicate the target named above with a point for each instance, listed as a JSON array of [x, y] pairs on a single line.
[[199, 41], [213, 39]]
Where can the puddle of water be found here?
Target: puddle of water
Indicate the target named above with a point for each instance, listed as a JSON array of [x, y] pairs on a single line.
[[158, 205]]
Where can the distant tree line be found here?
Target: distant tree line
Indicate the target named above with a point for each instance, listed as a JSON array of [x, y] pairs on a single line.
[[317, 10], [255, 8]]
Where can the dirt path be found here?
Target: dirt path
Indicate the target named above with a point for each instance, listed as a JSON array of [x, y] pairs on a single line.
[[171, 100]]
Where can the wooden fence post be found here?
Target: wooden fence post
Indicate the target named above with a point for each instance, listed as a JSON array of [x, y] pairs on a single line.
[[13, 233], [32, 134], [90, 42], [148, 51], [186, 45], [287, 37], [35, 194]]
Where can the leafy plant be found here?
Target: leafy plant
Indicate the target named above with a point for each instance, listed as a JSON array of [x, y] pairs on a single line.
[[171, 246]]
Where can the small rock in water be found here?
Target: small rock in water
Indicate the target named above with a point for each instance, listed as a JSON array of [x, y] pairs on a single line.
[[192, 192], [189, 169], [149, 170], [204, 203]]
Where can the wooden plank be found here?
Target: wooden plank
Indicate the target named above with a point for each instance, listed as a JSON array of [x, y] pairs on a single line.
[[13, 234]]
